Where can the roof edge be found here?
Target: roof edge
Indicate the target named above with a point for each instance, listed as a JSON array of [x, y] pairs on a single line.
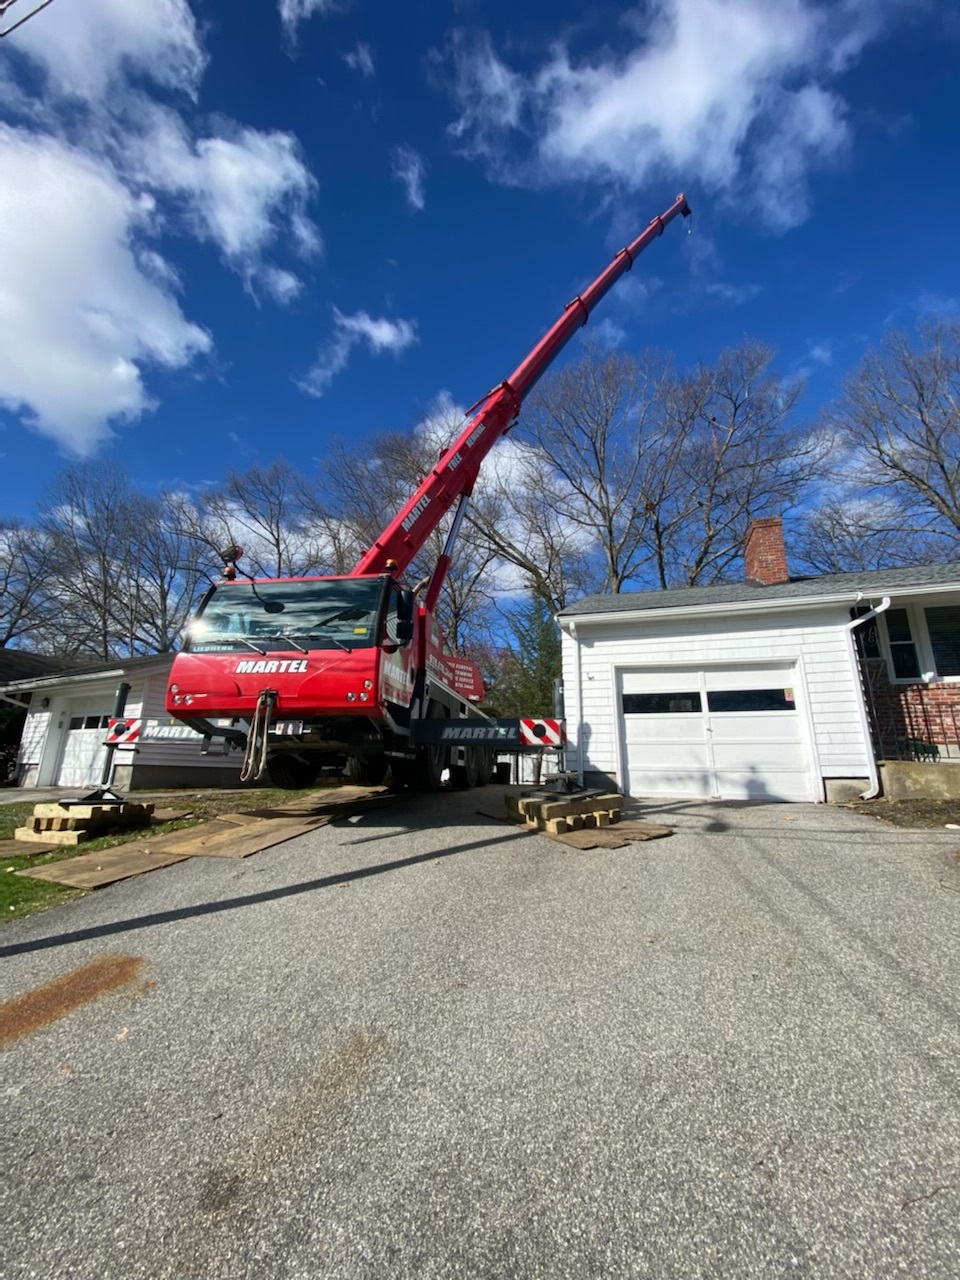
[[781, 604]]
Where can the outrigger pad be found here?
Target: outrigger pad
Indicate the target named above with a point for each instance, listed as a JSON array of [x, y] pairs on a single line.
[[102, 795]]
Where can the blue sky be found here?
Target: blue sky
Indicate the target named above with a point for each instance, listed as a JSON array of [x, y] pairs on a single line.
[[233, 231]]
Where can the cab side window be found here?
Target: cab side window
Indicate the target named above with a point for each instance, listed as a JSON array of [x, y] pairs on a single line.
[[390, 628]]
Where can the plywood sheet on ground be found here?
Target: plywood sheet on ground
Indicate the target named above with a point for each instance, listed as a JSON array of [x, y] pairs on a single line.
[[94, 870], [222, 839], [590, 838], [634, 830], [615, 837], [324, 801], [17, 849]]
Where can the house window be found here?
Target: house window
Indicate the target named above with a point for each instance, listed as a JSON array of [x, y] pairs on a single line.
[[943, 627], [903, 650]]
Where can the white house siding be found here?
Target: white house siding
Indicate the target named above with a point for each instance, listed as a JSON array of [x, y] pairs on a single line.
[[31, 745], [154, 765], [815, 639]]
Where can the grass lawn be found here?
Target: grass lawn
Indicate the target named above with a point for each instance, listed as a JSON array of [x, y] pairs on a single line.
[[22, 895]]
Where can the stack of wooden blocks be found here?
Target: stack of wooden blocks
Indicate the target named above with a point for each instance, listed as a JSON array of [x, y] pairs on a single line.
[[74, 823], [560, 816]]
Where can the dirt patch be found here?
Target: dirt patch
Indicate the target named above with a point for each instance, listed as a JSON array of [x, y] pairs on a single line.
[[917, 812], [54, 1000]]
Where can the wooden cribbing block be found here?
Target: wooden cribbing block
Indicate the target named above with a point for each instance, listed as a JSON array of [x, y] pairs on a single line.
[[50, 837], [93, 812], [564, 808]]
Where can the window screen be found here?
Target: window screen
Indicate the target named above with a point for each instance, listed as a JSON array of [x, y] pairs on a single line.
[[903, 652], [751, 700], [943, 624], [661, 704]]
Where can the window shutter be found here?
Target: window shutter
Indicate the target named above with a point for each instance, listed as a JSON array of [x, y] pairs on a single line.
[[943, 625]]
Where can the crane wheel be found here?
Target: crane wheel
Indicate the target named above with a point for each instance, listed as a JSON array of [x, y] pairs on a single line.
[[468, 773], [290, 773], [432, 762], [488, 765], [365, 771]]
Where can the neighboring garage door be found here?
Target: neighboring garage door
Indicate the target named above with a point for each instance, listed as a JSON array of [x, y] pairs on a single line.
[[734, 734], [83, 751]]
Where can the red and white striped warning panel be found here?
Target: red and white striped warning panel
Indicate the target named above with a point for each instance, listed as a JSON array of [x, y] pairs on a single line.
[[542, 733], [122, 732]]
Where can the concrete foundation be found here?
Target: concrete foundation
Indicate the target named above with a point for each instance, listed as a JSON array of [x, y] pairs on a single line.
[[908, 780], [843, 790]]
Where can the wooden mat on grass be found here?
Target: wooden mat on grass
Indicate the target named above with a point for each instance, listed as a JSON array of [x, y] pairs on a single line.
[[232, 835], [94, 870]]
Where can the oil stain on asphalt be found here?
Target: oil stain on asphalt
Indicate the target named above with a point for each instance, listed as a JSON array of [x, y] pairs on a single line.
[[44, 1005]]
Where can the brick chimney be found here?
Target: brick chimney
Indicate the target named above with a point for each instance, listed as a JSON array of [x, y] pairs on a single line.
[[764, 553]]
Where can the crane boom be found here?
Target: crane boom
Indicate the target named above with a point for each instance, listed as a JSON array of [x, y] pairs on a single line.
[[456, 472]]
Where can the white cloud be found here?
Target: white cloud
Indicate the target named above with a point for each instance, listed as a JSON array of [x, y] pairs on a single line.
[[83, 309], [84, 45], [735, 293], [293, 12], [82, 75], [378, 334], [360, 59], [409, 169], [244, 190], [721, 91], [605, 333], [491, 97]]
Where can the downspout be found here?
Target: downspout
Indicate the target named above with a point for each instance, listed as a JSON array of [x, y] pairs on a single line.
[[874, 789], [571, 630]]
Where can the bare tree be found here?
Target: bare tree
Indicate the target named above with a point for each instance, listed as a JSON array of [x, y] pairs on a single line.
[[897, 426], [738, 453], [850, 531], [27, 584], [263, 511], [90, 522], [632, 474]]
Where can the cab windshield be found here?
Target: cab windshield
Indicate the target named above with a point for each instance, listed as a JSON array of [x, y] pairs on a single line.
[[331, 613]]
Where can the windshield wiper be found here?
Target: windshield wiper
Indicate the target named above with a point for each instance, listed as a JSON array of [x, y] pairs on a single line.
[[342, 614], [286, 640], [248, 643], [331, 640]]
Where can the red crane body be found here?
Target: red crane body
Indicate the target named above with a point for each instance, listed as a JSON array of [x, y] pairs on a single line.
[[351, 694]]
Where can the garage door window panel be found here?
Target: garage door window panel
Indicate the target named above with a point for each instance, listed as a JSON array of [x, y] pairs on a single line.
[[662, 704], [750, 700]]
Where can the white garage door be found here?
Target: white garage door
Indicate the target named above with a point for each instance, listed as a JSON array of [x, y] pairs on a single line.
[[83, 751], [725, 733]]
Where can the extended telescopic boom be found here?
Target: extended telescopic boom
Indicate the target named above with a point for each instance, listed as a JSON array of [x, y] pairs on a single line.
[[455, 474]]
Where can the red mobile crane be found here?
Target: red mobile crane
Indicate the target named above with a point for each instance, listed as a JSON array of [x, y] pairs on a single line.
[[307, 672]]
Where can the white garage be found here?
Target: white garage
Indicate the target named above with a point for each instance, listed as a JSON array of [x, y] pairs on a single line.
[[746, 690], [727, 733]]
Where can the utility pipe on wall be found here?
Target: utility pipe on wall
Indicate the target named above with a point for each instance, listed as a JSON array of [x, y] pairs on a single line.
[[874, 789]]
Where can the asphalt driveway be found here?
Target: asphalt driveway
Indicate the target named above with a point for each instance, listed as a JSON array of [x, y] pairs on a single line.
[[420, 1043]]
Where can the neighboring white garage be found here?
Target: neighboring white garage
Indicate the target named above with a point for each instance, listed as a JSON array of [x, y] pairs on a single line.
[[742, 690], [63, 739]]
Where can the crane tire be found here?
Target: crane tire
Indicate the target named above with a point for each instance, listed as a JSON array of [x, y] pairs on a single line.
[[468, 773]]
